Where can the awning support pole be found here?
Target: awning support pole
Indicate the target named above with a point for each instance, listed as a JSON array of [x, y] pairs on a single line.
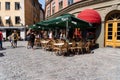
[[66, 30]]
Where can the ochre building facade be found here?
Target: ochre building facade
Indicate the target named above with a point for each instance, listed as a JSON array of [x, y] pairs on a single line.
[[18, 15]]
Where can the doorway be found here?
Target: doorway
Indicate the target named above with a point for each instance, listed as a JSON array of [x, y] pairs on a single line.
[[10, 31], [112, 31]]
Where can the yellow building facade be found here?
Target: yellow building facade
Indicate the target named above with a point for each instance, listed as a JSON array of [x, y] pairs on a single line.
[[18, 14]]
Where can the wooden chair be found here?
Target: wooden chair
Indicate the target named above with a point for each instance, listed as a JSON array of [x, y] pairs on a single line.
[[61, 49], [43, 45], [37, 42], [59, 40], [93, 43], [80, 47], [50, 45], [87, 46], [64, 48], [56, 49], [73, 47]]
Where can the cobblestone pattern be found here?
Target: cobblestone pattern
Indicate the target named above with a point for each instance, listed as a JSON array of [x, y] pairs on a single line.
[[27, 64]]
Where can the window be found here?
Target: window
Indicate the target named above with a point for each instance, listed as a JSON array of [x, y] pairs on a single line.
[[17, 19], [53, 10], [8, 21], [0, 20], [0, 5], [53, 7], [60, 4], [114, 16], [17, 5], [7, 5], [70, 2], [48, 11], [33, 2]]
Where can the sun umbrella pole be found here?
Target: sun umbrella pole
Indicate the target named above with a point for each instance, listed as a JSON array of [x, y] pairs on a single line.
[[66, 30]]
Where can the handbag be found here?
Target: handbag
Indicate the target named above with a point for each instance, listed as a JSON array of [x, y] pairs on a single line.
[[28, 37]]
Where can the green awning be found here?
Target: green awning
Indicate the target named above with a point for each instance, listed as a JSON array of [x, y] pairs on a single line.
[[61, 22], [34, 27], [37, 27]]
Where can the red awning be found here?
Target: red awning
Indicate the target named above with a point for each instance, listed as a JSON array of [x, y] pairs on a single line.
[[90, 15]]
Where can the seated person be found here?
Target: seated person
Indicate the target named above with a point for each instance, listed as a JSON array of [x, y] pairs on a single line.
[[77, 34], [91, 37]]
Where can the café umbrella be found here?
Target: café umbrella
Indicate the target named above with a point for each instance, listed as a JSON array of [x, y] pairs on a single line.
[[36, 27], [64, 21]]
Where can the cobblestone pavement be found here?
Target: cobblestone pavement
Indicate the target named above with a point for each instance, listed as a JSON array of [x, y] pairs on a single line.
[[27, 64]]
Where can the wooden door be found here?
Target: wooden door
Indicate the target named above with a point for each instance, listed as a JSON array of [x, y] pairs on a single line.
[[112, 35], [117, 34]]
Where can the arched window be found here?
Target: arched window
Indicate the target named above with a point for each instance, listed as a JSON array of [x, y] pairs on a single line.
[[113, 15]]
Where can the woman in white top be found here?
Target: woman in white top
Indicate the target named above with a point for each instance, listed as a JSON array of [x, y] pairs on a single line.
[[62, 35], [50, 35]]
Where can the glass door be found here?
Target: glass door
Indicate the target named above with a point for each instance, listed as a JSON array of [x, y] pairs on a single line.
[[112, 37], [117, 35], [110, 31], [118, 32], [109, 35]]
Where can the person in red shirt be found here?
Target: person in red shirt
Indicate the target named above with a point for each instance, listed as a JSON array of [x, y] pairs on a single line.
[[78, 34], [1, 38]]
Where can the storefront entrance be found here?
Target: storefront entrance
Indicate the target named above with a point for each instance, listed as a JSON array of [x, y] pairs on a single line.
[[10, 31], [112, 31]]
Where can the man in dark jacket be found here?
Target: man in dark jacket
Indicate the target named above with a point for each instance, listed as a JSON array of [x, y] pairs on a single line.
[[32, 39]]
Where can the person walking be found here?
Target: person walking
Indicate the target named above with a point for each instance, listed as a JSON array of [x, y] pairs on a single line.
[[1, 38], [15, 38], [28, 38], [10, 39], [32, 39]]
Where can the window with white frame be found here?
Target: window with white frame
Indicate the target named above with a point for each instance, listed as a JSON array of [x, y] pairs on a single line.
[[48, 11], [8, 20], [17, 19], [60, 4], [17, 5], [53, 7], [7, 5], [70, 2]]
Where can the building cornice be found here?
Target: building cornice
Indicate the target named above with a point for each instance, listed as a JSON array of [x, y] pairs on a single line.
[[76, 5], [11, 27]]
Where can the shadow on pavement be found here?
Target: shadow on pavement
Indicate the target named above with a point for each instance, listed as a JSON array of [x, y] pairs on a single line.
[[1, 55], [2, 49]]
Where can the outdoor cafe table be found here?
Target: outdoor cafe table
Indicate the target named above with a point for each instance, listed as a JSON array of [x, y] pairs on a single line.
[[70, 43], [60, 46], [44, 42]]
